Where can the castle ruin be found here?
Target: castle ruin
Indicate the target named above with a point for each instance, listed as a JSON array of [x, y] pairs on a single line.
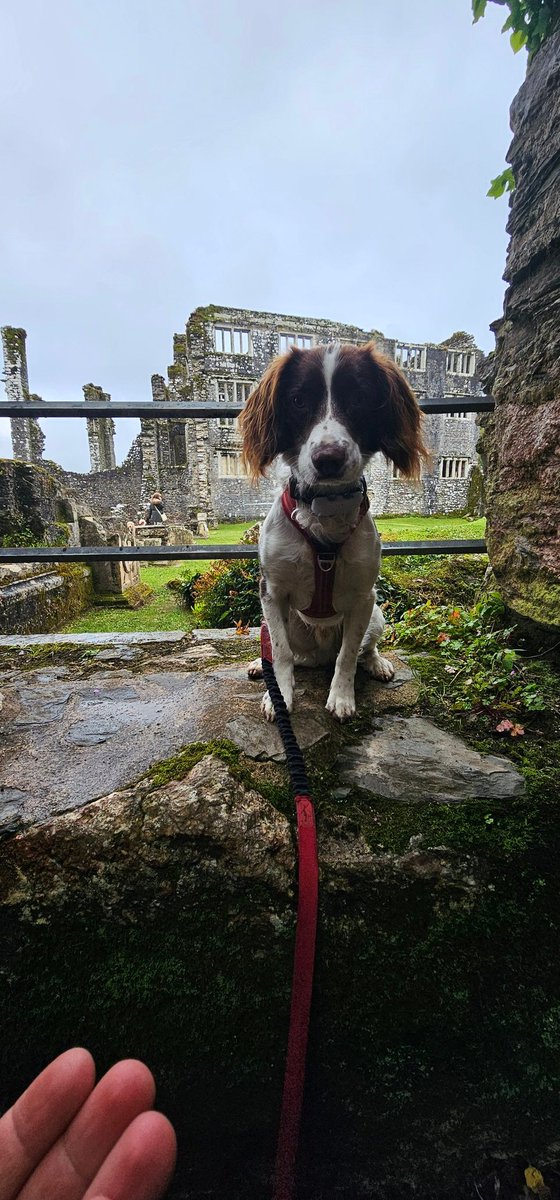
[[197, 464]]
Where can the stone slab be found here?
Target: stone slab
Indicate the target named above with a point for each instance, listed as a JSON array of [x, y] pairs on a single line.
[[261, 740], [409, 759], [226, 635], [89, 639]]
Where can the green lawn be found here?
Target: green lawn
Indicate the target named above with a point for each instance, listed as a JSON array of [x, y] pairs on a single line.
[[423, 529], [163, 612], [225, 534]]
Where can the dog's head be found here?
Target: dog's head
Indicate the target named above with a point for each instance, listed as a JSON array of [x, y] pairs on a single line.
[[327, 410]]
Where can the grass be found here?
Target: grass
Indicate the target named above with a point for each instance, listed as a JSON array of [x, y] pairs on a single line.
[[423, 529], [225, 535], [163, 611]]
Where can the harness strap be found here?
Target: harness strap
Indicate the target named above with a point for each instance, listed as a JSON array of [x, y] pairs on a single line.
[[324, 561]]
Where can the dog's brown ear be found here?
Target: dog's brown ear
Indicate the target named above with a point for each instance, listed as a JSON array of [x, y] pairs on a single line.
[[259, 420], [401, 418]]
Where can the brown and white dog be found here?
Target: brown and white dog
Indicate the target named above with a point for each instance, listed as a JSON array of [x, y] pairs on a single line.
[[326, 411]]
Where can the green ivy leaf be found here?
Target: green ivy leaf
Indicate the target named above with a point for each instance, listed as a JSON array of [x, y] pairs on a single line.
[[502, 183], [517, 40]]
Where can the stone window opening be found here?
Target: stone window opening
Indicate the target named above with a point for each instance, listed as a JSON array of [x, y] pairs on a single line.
[[460, 362], [231, 465], [178, 446], [233, 391], [228, 339], [302, 341], [453, 415], [396, 473], [453, 468], [410, 358]]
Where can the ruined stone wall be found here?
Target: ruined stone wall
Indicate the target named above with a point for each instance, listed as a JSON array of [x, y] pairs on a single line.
[[41, 602], [522, 438], [203, 373], [100, 492], [34, 507]]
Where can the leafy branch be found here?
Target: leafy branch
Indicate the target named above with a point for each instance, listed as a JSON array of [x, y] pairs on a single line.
[[529, 23]]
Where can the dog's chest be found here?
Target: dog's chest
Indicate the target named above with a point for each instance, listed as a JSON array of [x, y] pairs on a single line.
[[290, 567]]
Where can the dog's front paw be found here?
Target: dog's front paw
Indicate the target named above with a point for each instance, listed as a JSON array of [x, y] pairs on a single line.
[[341, 706], [379, 667], [267, 707]]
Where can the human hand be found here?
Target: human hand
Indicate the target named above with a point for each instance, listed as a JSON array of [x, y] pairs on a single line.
[[67, 1139]]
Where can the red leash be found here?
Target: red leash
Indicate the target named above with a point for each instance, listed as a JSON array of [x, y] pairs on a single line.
[[304, 953], [302, 985]]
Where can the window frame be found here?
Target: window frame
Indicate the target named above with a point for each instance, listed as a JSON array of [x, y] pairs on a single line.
[[455, 363], [233, 331], [237, 457], [231, 387], [455, 476], [285, 336], [411, 347]]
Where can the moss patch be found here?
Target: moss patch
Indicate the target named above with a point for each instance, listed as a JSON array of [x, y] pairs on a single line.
[[180, 764]]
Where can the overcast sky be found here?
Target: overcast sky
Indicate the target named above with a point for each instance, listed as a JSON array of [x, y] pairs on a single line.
[[315, 157]]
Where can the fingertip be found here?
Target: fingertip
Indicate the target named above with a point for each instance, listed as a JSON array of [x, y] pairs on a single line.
[[77, 1059], [132, 1077], [142, 1162], [156, 1129]]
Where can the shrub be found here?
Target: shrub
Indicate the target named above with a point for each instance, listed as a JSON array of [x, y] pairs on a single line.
[[185, 588], [227, 593]]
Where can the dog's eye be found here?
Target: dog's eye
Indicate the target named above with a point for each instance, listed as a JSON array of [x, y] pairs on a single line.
[[298, 401]]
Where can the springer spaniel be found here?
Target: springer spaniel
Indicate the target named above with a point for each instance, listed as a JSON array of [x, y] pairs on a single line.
[[326, 411]]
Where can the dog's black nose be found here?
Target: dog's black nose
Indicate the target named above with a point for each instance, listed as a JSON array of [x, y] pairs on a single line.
[[328, 459]]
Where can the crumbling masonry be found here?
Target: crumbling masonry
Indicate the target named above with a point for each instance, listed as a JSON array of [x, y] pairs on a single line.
[[197, 464]]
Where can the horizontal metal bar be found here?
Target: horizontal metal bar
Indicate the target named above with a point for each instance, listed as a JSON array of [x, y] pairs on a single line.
[[458, 546], [173, 411], [457, 404], [87, 554]]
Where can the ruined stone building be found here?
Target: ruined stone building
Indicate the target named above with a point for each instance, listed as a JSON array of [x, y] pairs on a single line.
[[197, 464]]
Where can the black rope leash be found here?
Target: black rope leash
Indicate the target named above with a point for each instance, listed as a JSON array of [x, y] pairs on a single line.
[[294, 757]]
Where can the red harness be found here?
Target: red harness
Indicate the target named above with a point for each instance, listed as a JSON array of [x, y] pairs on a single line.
[[324, 561]]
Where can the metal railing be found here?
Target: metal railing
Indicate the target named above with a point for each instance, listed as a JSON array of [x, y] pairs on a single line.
[[171, 410]]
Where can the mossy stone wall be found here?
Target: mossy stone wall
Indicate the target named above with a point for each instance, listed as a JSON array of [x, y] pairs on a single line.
[[522, 439]]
